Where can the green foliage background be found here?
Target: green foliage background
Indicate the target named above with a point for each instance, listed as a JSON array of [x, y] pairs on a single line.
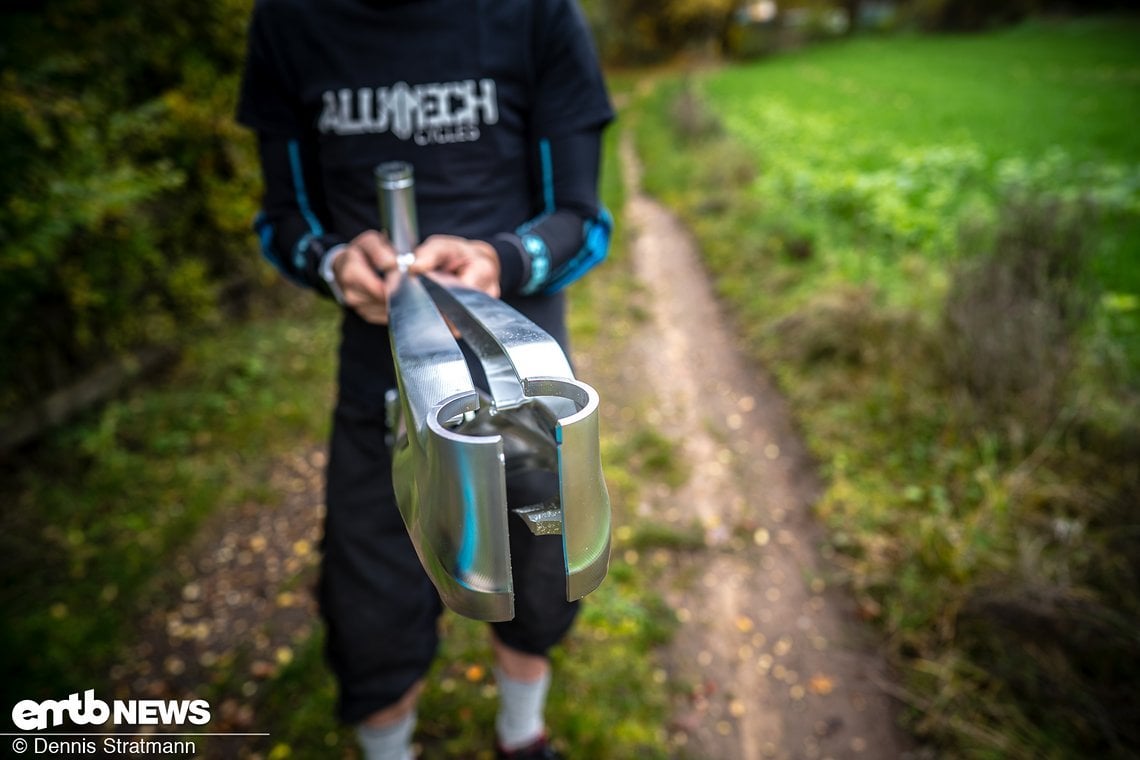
[[643, 31], [127, 188]]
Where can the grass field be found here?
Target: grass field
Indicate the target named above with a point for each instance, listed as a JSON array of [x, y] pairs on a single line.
[[907, 139], [934, 244], [1015, 92]]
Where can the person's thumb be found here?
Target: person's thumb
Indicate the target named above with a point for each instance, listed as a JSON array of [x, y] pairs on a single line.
[[430, 256], [377, 250]]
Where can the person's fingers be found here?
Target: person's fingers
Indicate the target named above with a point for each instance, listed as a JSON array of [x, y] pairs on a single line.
[[436, 254], [377, 250], [447, 279], [355, 273], [375, 314], [481, 270], [481, 274], [364, 290], [473, 262]]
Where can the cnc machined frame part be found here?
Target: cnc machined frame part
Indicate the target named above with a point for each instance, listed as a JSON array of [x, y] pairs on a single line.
[[450, 457]]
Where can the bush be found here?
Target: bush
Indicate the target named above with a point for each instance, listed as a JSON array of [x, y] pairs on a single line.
[[969, 15], [644, 31], [1011, 314], [127, 190]]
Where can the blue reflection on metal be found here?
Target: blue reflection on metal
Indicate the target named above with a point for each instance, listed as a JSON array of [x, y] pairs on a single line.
[[470, 540]]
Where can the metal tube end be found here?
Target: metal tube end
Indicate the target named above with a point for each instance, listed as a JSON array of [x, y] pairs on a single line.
[[395, 186], [394, 175]]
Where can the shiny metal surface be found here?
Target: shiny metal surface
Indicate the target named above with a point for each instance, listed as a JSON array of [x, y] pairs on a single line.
[[535, 373], [395, 186], [457, 445], [450, 487]]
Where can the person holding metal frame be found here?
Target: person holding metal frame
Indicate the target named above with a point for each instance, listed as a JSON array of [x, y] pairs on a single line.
[[499, 105]]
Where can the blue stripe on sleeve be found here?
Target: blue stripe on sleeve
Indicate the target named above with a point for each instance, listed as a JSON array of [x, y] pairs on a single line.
[[595, 239], [299, 260], [265, 234], [547, 174], [299, 189]]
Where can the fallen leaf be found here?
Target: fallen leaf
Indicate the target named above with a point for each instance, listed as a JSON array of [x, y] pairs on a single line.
[[821, 684], [261, 669]]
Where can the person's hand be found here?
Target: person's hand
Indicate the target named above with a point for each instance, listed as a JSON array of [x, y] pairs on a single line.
[[472, 263], [360, 271]]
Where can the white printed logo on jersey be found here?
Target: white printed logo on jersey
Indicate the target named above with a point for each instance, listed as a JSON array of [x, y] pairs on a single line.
[[427, 113]]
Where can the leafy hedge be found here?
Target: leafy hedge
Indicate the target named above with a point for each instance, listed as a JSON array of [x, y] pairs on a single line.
[[127, 188]]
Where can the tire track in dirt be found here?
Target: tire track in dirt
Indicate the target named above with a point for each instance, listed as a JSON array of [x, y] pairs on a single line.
[[777, 664]]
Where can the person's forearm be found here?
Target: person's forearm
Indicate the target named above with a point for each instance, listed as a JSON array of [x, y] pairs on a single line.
[[291, 226], [571, 233]]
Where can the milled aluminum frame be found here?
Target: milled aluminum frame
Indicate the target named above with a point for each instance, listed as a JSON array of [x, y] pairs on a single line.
[[448, 462]]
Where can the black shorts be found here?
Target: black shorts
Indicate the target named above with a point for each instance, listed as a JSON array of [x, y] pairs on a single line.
[[381, 610]]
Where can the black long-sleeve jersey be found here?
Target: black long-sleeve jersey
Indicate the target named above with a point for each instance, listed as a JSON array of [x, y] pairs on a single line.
[[497, 104]]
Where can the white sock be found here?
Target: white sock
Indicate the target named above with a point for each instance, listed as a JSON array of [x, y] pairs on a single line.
[[391, 742], [521, 706]]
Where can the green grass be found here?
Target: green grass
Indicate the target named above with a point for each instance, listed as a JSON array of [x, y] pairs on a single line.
[[902, 141], [842, 196], [1015, 92]]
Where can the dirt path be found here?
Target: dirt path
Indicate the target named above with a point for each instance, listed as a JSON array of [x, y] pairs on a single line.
[[245, 609], [778, 665]]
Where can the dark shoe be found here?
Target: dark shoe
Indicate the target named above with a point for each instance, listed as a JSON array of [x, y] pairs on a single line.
[[540, 750]]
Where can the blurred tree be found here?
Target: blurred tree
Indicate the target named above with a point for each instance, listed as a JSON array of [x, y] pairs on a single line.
[[127, 189], [852, 8], [701, 21], [640, 31], [969, 15]]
